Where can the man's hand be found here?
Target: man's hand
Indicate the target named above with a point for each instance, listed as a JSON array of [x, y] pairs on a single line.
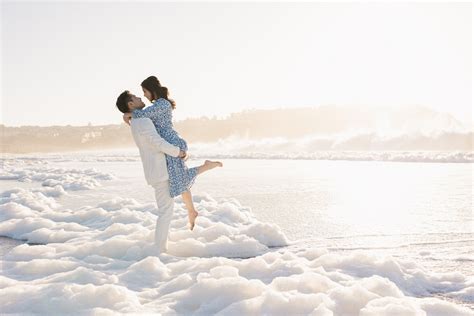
[[127, 117], [182, 154]]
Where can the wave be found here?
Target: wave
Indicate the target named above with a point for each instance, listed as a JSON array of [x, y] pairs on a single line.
[[364, 146], [212, 151], [438, 157]]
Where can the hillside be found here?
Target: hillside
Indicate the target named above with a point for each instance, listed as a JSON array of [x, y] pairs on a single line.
[[324, 121]]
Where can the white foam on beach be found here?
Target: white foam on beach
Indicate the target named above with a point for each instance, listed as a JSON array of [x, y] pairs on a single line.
[[28, 170], [101, 259]]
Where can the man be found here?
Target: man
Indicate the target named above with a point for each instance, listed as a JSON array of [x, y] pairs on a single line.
[[152, 149]]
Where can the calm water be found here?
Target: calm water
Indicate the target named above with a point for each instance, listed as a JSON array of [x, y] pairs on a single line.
[[415, 211]]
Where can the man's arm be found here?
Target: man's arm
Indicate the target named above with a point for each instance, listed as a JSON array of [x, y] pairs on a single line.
[[148, 132]]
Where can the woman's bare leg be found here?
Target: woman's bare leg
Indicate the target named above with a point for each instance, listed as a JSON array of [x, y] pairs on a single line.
[[208, 165], [188, 201], [188, 198]]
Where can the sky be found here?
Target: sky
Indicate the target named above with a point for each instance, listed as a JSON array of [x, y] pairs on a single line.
[[65, 63]]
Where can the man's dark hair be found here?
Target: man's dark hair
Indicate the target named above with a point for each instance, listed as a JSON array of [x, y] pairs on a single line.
[[122, 101]]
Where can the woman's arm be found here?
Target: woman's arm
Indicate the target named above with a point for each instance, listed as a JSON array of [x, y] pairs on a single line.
[[153, 111]]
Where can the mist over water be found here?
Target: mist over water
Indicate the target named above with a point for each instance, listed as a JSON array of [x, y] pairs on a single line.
[[337, 132], [370, 141]]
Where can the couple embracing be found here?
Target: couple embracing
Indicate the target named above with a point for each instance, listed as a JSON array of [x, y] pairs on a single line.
[[163, 153]]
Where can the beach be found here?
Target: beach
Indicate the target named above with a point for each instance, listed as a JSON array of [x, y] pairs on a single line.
[[274, 236]]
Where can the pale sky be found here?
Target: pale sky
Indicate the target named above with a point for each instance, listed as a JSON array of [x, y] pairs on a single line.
[[66, 63]]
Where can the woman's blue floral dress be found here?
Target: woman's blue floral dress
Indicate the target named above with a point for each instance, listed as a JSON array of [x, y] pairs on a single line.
[[180, 177]]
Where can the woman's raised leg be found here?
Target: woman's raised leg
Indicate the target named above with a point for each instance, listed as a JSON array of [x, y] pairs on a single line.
[[208, 165]]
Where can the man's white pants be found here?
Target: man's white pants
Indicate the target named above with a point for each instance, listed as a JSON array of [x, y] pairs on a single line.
[[165, 204]]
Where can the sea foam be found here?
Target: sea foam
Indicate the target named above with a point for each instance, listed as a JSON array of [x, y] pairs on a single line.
[[101, 259]]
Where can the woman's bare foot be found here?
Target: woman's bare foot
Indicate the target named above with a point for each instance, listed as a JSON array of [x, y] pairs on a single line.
[[212, 164], [192, 218]]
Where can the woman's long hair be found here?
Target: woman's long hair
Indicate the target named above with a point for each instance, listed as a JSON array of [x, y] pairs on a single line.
[[153, 85]]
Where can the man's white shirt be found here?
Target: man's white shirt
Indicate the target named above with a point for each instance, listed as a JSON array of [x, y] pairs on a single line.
[[152, 149]]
